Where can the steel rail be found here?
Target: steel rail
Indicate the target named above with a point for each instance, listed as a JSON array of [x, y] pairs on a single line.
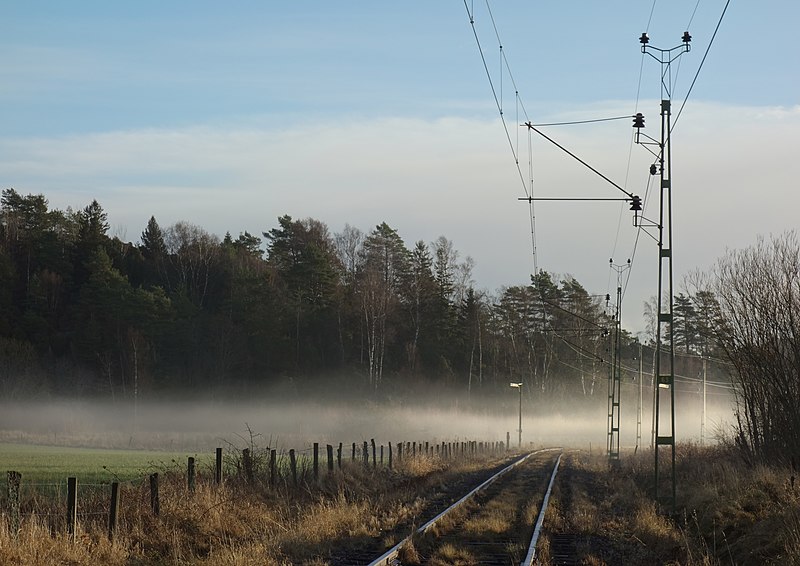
[[529, 558], [390, 556]]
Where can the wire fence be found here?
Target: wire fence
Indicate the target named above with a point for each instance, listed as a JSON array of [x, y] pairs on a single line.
[[69, 505]]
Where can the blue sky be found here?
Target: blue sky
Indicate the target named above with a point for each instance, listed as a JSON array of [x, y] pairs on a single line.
[[228, 116]]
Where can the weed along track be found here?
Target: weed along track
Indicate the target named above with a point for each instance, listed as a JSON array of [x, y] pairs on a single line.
[[492, 524]]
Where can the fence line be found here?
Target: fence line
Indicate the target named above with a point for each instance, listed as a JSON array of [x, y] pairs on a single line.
[[271, 468]]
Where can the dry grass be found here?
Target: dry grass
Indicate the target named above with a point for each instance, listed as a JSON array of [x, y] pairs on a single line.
[[451, 555], [495, 517], [728, 512], [746, 514], [237, 523]]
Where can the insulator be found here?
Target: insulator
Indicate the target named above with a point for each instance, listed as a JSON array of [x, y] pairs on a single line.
[[644, 40], [638, 120], [686, 37]]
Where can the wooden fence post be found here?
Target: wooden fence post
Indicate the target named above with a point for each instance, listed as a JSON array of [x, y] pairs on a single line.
[[399, 451], [508, 441], [353, 458], [390, 455], [293, 466], [218, 467], [113, 511], [273, 454], [72, 506], [365, 454], [329, 448], [14, 479], [316, 461], [190, 474], [339, 456], [154, 502], [381, 455], [374, 459]]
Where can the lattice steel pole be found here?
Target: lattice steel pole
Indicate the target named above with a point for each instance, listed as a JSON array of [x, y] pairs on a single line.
[[665, 487], [615, 377]]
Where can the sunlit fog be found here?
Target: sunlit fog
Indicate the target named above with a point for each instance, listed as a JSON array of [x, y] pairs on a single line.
[[287, 423]]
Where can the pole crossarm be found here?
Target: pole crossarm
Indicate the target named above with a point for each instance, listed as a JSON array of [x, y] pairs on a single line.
[[666, 57], [529, 199]]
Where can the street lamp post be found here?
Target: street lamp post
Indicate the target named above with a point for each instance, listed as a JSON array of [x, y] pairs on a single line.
[[519, 430]]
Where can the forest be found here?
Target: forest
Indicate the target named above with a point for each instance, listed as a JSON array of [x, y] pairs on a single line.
[[85, 313]]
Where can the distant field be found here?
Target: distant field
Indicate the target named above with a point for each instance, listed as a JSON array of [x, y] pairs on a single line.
[[55, 463]]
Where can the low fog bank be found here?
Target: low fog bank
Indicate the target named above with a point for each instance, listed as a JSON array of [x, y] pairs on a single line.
[[203, 425]]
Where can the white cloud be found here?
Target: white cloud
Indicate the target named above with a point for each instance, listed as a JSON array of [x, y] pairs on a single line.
[[732, 174]]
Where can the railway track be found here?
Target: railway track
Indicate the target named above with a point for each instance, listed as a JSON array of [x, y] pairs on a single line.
[[494, 524]]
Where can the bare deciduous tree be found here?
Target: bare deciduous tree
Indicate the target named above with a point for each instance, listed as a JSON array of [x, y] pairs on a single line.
[[758, 291]]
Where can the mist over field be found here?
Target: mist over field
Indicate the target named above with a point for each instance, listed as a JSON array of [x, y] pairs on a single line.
[[200, 425]]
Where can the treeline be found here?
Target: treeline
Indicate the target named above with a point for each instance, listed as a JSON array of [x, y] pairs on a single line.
[[84, 312]]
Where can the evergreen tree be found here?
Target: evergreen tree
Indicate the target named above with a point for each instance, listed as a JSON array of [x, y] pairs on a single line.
[[422, 295], [684, 320], [304, 260]]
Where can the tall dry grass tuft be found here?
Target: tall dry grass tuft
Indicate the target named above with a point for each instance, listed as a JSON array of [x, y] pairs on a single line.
[[34, 544], [741, 512], [730, 511], [791, 539]]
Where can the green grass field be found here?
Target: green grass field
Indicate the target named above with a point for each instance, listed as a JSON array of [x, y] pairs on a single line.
[[42, 464]]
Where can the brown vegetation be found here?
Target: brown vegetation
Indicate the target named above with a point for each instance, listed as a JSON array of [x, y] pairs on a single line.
[[729, 513], [359, 511]]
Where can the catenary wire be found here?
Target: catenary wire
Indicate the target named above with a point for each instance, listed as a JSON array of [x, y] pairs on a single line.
[[497, 101], [518, 104], [699, 68], [499, 104], [632, 255]]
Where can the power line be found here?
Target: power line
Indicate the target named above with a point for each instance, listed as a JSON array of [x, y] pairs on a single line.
[[678, 377], [499, 104], [632, 255], [584, 121], [691, 19], [497, 101], [703, 60]]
